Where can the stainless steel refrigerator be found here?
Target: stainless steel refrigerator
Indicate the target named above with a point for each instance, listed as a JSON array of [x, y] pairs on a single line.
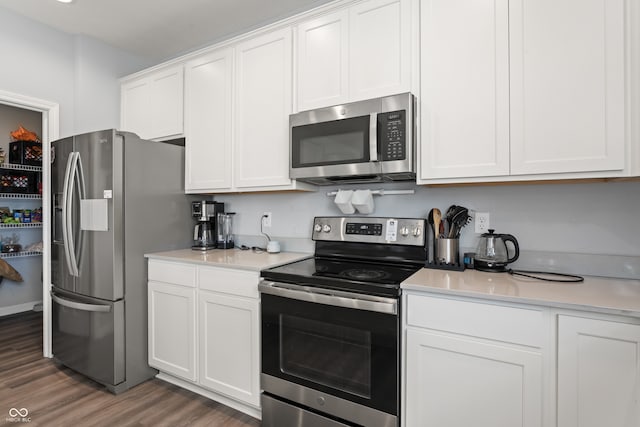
[[115, 197]]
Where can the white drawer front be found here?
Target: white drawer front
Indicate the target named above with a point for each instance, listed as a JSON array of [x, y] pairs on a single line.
[[508, 324], [172, 272], [229, 281]]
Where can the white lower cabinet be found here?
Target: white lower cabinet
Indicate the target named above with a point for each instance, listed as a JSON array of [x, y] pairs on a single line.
[[459, 381], [230, 345], [473, 364], [598, 373], [172, 329], [204, 331]]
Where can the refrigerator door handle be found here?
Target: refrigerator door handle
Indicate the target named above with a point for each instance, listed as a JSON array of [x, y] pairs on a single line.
[[79, 174], [73, 259], [66, 211], [99, 308]]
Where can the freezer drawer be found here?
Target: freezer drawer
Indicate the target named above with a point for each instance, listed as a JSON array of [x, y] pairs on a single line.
[[88, 336]]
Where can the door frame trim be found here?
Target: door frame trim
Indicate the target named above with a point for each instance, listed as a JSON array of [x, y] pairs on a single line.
[[50, 132]]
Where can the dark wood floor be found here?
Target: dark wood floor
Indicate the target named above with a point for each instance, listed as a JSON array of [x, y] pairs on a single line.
[[56, 396]]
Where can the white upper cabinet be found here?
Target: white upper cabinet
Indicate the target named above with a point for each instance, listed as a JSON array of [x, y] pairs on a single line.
[[524, 89], [263, 105], [208, 121], [354, 53], [567, 85], [464, 88], [152, 104], [323, 61], [379, 47]]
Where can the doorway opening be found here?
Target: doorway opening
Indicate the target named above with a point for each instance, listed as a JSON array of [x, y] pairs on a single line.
[[49, 126]]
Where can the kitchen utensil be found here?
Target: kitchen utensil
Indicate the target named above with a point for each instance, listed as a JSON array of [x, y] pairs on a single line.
[[492, 253], [432, 250], [437, 221], [459, 219]]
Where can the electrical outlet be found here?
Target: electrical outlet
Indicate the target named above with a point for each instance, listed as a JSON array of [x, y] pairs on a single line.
[[266, 219], [482, 222]]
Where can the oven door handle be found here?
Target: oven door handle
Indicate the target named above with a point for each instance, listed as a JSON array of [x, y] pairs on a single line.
[[330, 297]]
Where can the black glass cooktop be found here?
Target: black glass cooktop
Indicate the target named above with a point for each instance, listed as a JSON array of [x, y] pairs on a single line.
[[358, 276]]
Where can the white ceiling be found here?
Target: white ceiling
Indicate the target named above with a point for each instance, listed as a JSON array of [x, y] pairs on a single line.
[[158, 29]]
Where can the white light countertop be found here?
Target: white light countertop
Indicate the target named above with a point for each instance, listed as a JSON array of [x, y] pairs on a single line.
[[231, 258], [599, 294]]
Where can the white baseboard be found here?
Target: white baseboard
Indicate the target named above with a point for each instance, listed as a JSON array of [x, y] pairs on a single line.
[[20, 308]]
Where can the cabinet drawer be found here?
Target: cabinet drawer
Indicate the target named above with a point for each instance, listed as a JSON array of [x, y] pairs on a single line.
[[229, 281], [508, 324], [172, 272]]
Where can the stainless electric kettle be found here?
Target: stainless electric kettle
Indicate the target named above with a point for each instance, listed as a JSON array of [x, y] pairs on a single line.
[[492, 253]]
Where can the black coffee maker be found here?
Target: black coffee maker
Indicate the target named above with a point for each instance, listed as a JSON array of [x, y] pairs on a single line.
[[204, 233]]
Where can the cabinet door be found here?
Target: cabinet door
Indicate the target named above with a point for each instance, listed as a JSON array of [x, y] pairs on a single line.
[[230, 346], [167, 102], [379, 48], [457, 381], [322, 61], [263, 105], [567, 85], [152, 105], [134, 109], [208, 118], [172, 329], [465, 88], [598, 373]]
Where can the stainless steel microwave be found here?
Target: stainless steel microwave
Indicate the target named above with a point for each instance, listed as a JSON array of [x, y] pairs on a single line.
[[365, 141]]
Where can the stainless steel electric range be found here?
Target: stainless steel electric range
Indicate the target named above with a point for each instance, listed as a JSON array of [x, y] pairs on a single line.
[[331, 324]]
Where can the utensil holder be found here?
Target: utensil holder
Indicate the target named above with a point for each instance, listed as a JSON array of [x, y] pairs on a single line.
[[447, 251], [447, 255]]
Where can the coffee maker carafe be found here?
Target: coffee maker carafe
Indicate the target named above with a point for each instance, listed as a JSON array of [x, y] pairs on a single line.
[[204, 232]]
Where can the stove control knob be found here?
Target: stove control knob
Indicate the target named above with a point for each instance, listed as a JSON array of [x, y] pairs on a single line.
[[417, 231], [326, 228], [404, 231], [317, 228]]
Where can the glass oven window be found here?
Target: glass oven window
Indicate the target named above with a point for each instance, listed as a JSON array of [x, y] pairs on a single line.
[[336, 356], [331, 143]]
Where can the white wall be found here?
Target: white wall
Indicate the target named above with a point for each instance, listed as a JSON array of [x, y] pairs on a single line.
[[77, 72], [585, 218]]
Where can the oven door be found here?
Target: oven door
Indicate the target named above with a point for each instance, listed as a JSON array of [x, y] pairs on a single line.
[[331, 351]]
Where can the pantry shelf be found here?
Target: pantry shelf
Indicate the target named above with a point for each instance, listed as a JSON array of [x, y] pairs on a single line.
[[22, 225], [20, 196], [20, 167], [20, 254]]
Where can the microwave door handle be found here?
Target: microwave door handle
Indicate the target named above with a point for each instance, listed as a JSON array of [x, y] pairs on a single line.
[[373, 137]]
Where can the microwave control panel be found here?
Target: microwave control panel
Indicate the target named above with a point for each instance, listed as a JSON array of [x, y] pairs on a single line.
[[392, 135]]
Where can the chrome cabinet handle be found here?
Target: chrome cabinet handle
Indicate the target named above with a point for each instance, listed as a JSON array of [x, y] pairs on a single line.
[[330, 297]]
